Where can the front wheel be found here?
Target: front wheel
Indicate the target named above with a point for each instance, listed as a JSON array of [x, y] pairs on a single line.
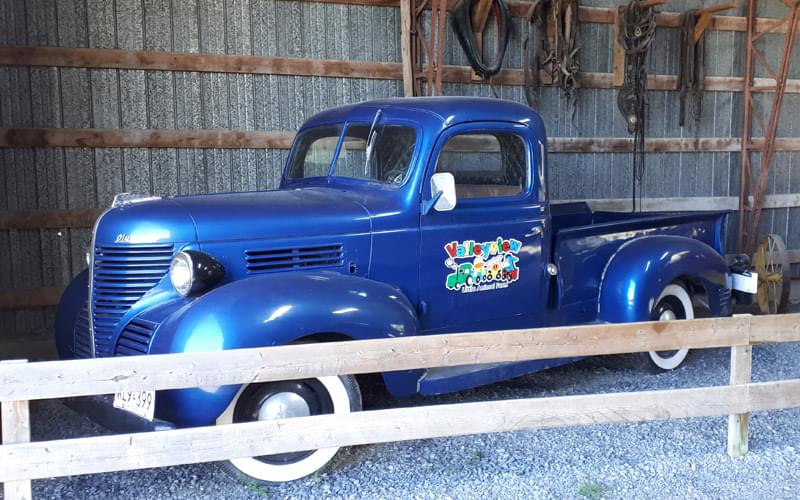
[[674, 303], [295, 398]]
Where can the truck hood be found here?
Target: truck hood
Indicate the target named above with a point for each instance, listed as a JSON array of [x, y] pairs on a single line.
[[235, 216]]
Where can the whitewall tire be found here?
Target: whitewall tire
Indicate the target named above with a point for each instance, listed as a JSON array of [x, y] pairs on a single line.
[[674, 303], [273, 400]]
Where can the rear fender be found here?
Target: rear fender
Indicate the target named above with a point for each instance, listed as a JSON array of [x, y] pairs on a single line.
[[640, 269], [277, 309]]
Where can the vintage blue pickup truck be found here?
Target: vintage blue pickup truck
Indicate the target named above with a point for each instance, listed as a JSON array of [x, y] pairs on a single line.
[[397, 217]]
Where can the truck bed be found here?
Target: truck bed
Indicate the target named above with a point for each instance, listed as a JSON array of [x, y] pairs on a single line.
[[584, 241]]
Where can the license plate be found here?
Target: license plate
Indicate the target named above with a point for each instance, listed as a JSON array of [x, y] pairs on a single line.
[[141, 403]]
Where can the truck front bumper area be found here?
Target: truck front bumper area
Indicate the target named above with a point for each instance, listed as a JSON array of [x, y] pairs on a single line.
[[100, 410]]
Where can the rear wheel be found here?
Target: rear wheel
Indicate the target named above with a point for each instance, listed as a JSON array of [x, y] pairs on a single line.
[[295, 398], [674, 303]]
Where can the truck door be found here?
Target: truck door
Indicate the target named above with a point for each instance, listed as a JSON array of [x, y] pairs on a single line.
[[481, 263]]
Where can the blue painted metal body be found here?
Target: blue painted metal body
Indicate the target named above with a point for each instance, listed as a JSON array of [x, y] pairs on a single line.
[[334, 257]]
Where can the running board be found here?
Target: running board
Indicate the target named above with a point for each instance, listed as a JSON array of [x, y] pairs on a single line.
[[458, 378]]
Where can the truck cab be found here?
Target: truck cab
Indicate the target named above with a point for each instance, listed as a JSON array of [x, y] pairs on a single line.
[[397, 217]]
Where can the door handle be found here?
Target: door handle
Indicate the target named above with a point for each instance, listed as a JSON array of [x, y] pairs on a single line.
[[535, 231]]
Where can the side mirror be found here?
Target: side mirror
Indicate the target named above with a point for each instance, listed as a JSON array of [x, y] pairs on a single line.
[[443, 189]]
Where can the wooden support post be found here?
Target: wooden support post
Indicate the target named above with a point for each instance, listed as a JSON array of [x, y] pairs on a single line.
[[618, 77], [741, 371], [405, 47], [16, 423]]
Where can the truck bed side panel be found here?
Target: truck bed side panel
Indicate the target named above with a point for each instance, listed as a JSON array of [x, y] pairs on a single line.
[[582, 253]]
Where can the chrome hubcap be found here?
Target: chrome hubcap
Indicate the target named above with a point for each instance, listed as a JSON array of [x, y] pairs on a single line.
[[283, 405], [667, 315]]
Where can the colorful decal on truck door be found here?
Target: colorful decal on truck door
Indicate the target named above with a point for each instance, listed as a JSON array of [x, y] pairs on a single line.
[[478, 267]]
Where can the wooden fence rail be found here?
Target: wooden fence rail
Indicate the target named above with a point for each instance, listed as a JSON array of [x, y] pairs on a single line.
[[22, 461]]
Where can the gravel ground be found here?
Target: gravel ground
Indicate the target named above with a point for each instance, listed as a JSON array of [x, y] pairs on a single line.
[[681, 458]]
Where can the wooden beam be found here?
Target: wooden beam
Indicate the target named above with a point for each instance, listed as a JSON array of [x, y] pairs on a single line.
[[29, 298], [185, 61], [738, 423], [109, 375], [405, 47], [142, 138], [90, 455], [220, 63], [236, 139], [15, 419], [618, 71], [48, 219], [774, 328]]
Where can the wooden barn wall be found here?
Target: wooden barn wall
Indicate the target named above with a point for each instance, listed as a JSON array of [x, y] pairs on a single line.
[[75, 178]]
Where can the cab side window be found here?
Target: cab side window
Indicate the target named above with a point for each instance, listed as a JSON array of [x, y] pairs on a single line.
[[485, 165]]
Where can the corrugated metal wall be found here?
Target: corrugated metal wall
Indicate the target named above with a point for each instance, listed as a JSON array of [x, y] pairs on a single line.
[[50, 178]]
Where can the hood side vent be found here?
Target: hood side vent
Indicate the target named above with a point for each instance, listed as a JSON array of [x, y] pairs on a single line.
[[283, 259]]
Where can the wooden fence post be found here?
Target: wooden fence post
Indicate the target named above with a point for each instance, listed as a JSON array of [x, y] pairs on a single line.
[[16, 423], [741, 371]]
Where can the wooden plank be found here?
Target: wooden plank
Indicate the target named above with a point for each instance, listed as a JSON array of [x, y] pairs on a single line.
[[774, 328], [236, 139], [16, 422], [618, 51], [48, 219], [157, 449], [405, 47], [185, 61], [28, 298], [143, 138], [774, 396], [738, 423], [207, 369], [220, 63]]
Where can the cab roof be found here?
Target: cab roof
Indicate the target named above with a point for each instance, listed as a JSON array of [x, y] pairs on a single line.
[[438, 111]]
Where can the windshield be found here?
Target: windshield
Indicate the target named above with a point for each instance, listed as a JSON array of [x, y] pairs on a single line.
[[389, 161]]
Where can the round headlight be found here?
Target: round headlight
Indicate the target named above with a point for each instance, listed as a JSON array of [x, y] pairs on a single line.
[[193, 272], [180, 273]]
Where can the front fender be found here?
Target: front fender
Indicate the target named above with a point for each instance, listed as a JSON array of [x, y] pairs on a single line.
[[638, 272], [69, 306], [277, 309]]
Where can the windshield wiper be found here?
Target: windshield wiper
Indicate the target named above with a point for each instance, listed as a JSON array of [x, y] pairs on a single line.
[[371, 138]]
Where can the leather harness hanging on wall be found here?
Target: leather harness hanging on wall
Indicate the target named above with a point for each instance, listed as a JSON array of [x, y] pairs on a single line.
[[691, 74], [462, 26], [552, 39], [636, 30]]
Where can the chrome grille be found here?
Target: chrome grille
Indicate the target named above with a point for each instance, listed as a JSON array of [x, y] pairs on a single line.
[[122, 275], [261, 261], [135, 338]]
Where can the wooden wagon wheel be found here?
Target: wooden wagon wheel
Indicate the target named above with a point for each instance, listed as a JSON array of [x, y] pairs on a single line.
[[772, 265]]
